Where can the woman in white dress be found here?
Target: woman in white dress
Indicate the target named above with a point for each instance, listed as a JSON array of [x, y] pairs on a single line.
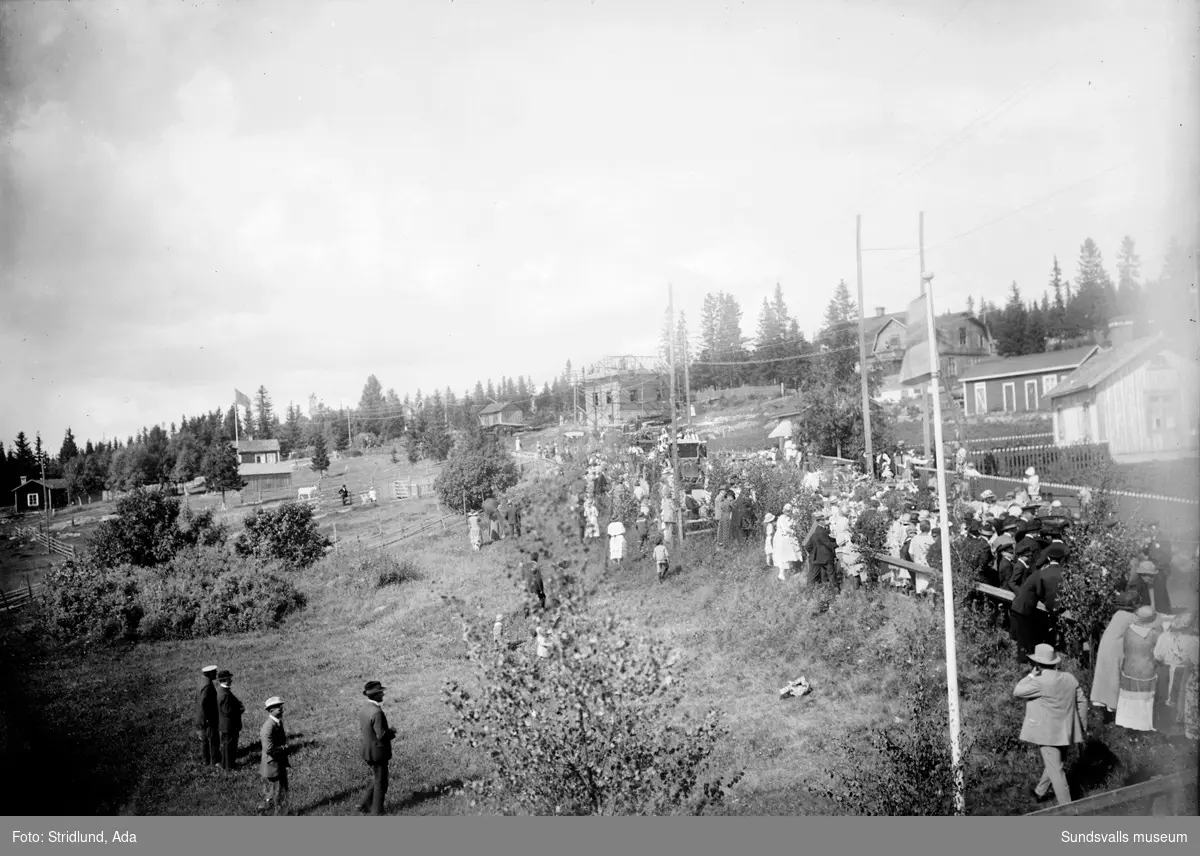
[[769, 543], [787, 550], [616, 541]]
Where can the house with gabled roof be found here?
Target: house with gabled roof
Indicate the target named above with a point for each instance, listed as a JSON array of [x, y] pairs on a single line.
[[1019, 384]]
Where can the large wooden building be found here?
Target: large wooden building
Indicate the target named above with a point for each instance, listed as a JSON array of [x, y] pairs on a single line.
[[963, 341], [1019, 384], [32, 495], [1140, 398], [266, 476], [622, 397], [502, 414]]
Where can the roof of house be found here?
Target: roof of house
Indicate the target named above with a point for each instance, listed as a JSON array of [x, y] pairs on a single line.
[[499, 407], [257, 446], [1104, 365], [273, 469], [53, 484], [1029, 364]]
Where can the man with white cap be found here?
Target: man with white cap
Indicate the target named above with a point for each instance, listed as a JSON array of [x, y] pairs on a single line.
[[207, 719], [375, 739], [274, 765], [1055, 718]]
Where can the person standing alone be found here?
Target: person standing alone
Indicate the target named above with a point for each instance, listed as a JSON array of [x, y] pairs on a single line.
[[229, 715], [274, 765], [1055, 713], [376, 739], [206, 719]]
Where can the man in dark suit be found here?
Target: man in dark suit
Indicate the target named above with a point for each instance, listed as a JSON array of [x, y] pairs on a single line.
[[824, 552], [274, 765], [206, 719], [512, 516], [1025, 622], [229, 715], [375, 737]]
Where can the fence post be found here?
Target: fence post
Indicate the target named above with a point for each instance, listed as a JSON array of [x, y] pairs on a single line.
[[4, 598], [335, 538]]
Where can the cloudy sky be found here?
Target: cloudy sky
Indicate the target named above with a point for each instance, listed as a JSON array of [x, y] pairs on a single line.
[[201, 196]]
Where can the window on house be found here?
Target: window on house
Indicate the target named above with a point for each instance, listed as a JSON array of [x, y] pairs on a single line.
[[596, 398], [893, 343], [1161, 412], [1049, 382], [952, 367], [962, 336], [34, 500], [633, 395]]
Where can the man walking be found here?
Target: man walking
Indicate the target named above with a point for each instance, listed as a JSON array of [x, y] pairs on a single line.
[[274, 766], [229, 717], [206, 719], [1055, 713], [376, 740]]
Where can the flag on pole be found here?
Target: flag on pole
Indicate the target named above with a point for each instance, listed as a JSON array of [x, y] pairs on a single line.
[[241, 398], [914, 369]]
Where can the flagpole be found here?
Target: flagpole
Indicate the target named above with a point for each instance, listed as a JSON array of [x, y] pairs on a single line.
[[947, 580], [236, 419]]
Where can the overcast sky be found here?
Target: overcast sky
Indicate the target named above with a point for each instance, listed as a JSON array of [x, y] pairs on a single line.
[[201, 196]]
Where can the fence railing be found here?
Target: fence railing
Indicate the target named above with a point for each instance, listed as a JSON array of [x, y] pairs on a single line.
[[48, 541], [383, 539], [17, 599], [1070, 461], [1156, 793]]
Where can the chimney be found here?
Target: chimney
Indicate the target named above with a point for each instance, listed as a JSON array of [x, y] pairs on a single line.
[[24, 479], [1120, 331], [880, 311]]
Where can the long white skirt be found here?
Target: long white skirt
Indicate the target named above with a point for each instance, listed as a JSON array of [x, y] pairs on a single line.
[[616, 547]]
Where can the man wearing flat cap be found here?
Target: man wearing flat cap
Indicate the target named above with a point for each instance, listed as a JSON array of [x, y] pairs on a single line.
[[274, 765], [207, 719], [376, 740], [1150, 587], [229, 717], [1055, 718]]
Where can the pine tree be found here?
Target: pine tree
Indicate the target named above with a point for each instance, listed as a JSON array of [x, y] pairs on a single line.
[[320, 458], [264, 416], [1090, 309], [781, 310], [69, 450], [479, 396], [491, 391], [970, 305], [1129, 290], [1056, 320], [1011, 334], [220, 469]]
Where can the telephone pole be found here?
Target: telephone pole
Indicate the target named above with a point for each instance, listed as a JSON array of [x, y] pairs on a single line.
[[687, 383], [675, 424], [862, 351]]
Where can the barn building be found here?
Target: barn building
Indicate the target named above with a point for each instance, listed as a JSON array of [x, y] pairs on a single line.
[[1019, 384], [31, 495], [502, 414], [266, 476], [1140, 398]]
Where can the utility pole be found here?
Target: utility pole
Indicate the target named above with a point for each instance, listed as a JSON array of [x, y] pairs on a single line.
[[924, 390], [46, 495], [349, 436], [947, 578], [675, 426], [687, 383], [862, 351]]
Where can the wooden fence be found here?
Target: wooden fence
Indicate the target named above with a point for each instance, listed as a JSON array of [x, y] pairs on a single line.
[[1173, 795], [17, 599], [1065, 462], [48, 541]]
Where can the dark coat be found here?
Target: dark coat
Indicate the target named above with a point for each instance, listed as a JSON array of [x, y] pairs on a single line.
[[375, 737], [1056, 551], [980, 559], [1049, 579], [1004, 572], [1162, 600], [1026, 601], [206, 705], [1021, 571], [229, 710], [824, 548], [274, 748]]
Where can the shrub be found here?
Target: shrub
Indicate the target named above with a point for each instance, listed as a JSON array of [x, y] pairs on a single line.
[[471, 475], [387, 570], [201, 528], [86, 600], [144, 532], [248, 599], [288, 534]]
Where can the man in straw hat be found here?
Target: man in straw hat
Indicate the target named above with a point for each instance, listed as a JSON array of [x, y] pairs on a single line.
[[207, 719], [274, 765], [375, 738], [1055, 716]]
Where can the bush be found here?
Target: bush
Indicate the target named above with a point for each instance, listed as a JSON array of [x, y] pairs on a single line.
[[84, 599], [144, 532], [472, 475], [288, 534], [201, 528], [248, 599], [387, 570]]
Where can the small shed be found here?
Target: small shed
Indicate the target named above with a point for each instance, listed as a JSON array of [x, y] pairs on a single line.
[[1140, 398], [502, 414], [257, 451], [1019, 384], [31, 495]]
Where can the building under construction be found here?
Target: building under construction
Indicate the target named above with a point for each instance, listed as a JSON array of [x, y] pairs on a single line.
[[623, 389]]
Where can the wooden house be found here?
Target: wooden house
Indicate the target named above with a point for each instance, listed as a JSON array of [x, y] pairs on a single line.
[[1019, 384], [963, 341], [502, 414], [274, 475], [32, 495], [1140, 398], [257, 451]]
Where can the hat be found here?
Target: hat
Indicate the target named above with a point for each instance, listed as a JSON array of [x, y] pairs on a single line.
[[209, 670], [373, 687], [1147, 569], [1015, 510], [1056, 503], [273, 701], [1004, 542], [1126, 600], [787, 508], [768, 517], [922, 515], [1031, 472], [1034, 525], [1145, 615], [1055, 552], [987, 526], [1184, 622], [224, 675], [987, 494], [1026, 545], [1045, 655]]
